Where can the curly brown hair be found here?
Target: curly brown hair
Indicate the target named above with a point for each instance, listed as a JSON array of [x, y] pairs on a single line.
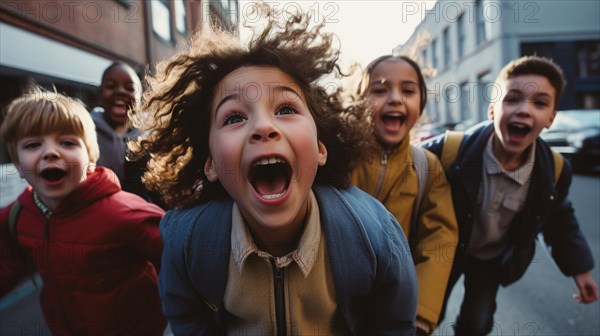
[[177, 104]]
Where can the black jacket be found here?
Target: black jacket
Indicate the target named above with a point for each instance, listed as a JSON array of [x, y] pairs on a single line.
[[547, 208]]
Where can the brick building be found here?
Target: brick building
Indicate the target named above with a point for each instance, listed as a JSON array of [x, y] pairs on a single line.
[[69, 43]]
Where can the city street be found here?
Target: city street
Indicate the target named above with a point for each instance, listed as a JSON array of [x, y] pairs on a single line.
[[538, 304], [541, 302]]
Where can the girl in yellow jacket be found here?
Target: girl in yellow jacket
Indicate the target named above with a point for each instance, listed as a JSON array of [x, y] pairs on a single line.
[[396, 93]]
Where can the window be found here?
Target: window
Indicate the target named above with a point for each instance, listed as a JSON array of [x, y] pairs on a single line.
[[465, 102], [486, 96], [180, 17], [460, 31], [434, 59], [588, 59], [161, 18], [480, 22], [542, 49], [233, 11], [424, 57], [450, 97], [447, 54]]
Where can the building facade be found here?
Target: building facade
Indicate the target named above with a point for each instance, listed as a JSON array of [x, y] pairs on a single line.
[[68, 44], [464, 45]]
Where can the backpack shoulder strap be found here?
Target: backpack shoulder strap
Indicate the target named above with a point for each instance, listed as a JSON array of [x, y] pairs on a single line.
[[13, 220], [558, 165], [421, 167], [13, 216], [451, 147]]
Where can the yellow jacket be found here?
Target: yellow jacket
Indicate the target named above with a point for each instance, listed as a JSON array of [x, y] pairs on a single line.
[[393, 181]]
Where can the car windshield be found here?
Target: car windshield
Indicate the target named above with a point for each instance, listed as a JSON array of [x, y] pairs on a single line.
[[572, 120]]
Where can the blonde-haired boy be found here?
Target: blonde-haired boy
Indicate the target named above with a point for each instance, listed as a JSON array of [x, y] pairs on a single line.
[[94, 245]]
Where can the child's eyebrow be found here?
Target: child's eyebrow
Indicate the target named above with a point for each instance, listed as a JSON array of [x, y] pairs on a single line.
[[282, 87], [378, 81], [523, 91], [234, 96]]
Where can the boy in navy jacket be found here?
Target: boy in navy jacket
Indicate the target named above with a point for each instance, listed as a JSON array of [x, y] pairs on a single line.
[[504, 194]]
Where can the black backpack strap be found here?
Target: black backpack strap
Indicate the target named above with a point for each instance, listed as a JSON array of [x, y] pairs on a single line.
[[13, 216], [13, 220]]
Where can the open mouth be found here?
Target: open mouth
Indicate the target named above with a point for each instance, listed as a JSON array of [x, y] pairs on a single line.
[[394, 117], [53, 174], [120, 106], [518, 129], [270, 177]]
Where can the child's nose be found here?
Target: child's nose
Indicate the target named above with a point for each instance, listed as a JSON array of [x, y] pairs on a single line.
[[264, 129], [525, 107], [50, 152], [395, 96]]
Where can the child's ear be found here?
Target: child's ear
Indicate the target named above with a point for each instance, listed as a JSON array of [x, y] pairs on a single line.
[[209, 170], [551, 120], [91, 167], [491, 112], [322, 154], [18, 166]]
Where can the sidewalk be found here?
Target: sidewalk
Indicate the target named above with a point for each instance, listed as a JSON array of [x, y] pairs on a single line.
[[20, 311]]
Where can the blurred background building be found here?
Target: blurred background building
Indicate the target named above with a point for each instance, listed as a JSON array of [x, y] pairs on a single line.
[[464, 44], [68, 44]]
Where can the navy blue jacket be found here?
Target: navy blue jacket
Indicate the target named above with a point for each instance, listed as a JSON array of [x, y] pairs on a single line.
[[547, 208], [370, 259]]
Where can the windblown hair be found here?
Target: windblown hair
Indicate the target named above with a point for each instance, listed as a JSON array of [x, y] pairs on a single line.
[[363, 85], [42, 112], [535, 65], [177, 104]]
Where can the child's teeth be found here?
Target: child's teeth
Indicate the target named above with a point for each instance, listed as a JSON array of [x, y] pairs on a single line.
[[269, 197], [265, 162]]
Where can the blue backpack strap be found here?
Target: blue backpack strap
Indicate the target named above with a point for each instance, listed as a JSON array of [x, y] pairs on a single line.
[[421, 167]]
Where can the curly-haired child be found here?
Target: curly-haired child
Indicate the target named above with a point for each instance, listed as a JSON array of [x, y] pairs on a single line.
[[255, 154]]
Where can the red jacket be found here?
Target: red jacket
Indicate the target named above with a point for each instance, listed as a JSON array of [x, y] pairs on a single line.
[[95, 255]]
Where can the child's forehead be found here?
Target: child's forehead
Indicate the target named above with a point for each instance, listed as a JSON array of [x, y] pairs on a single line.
[[253, 83], [392, 70], [51, 134], [259, 74], [120, 73]]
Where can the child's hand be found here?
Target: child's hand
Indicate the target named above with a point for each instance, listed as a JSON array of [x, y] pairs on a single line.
[[588, 290]]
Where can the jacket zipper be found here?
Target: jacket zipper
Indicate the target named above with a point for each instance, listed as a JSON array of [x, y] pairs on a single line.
[[382, 170], [279, 301], [48, 265], [47, 229]]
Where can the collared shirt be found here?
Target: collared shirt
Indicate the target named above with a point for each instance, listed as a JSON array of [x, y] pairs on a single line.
[[43, 208], [310, 302], [502, 195]]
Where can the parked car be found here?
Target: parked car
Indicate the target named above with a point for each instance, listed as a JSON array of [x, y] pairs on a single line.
[[576, 135]]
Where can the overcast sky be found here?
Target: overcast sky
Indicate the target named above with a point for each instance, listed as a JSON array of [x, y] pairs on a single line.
[[366, 29]]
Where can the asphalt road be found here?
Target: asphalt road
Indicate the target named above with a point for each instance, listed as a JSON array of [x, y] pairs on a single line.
[[541, 302]]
